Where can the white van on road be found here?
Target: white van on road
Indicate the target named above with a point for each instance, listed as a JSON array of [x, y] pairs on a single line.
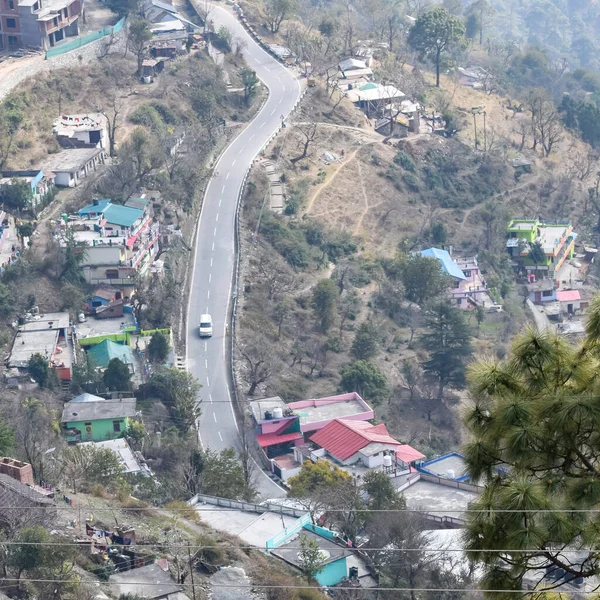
[[205, 328]]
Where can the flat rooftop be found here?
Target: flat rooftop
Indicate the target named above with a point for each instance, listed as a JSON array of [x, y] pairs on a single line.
[[254, 528], [70, 124], [550, 236], [70, 160], [329, 550], [28, 343], [324, 412], [522, 225], [441, 466], [46, 321], [93, 326], [438, 500]]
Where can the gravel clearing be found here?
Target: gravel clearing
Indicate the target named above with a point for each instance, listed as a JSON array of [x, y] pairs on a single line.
[[230, 576]]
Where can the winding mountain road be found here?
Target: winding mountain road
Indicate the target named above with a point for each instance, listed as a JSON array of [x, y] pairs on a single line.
[[214, 254]]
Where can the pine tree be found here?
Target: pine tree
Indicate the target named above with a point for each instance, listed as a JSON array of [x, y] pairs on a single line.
[[448, 341], [535, 445]]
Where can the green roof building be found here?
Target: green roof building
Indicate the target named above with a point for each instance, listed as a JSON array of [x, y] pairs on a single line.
[[101, 354], [538, 247]]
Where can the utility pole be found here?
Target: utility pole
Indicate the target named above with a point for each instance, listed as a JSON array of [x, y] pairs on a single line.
[[475, 128], [484, 133], [191, 572]]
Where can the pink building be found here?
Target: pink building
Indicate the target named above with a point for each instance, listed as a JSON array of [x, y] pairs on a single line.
[[280, 426], [472, 290]]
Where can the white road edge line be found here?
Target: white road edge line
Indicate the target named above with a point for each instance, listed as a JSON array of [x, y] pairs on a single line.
[[231, 282]]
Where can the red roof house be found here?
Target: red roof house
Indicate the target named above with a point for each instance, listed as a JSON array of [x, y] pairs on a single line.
[[349, 442]]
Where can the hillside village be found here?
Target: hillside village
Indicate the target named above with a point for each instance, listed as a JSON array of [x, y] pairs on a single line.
[[296, 301]]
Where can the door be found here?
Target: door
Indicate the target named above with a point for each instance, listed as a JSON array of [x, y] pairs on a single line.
[[538, 296]]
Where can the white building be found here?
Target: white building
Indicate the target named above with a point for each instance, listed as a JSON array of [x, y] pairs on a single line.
[[77, 131]]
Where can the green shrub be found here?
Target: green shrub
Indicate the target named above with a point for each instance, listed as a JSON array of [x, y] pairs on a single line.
[[405, 161]]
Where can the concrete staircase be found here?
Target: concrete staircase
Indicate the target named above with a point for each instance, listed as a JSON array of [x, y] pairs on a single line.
[[276, 186]]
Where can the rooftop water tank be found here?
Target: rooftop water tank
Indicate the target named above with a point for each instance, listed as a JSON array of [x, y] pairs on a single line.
[[278, 412], [450, 474], [387, 461]]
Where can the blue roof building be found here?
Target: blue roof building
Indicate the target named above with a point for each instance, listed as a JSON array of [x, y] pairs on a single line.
[[95, 209], [448, 265], [123, 216]]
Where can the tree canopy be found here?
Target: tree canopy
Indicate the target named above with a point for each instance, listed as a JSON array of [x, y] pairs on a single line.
[[448, 340], [434, 34], [535, 427], [364, 378], [315, 476], [117, 376]]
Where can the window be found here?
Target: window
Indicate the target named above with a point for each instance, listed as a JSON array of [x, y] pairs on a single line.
[[12, 40], [36, 6], [459, 301], [117, 426], [467, 273], [112, 274], [11, 23], [547, 293], [11, 4]]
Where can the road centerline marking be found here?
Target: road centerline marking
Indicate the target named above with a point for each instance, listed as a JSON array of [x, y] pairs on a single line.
[[215, 417], [220, 436]]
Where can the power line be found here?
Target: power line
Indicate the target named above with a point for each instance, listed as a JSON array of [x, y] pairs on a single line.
[[171, 546], [274, 509], [303, 587]]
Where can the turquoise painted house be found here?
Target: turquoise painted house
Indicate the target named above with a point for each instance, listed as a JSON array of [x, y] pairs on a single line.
[[335, 556], [89, 418]]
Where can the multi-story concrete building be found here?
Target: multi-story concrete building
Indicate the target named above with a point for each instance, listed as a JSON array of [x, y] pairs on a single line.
[[38, 23], [120, 242]]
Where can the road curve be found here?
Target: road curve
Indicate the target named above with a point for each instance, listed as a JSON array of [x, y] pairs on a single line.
[[214, 260]]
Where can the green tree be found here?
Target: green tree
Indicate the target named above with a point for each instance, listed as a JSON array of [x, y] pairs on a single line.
[[436, 33], [250, 81], [364, 378], [38, 369], [315, 476], [312, 560], [138, 36], [36, 551], [89, 464], [178, 390], [421, 276], [12, 114], [534, 444], [324, 303], [7, 439], [141, 155], [26, 229], [365, 341], [17, 195], [117, 377], [73, 257], [222, 475], [122, 7], [158, 348], [381, 491], [448, 341]]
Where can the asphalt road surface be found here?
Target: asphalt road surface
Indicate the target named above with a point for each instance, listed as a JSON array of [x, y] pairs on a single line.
[[212, 277]]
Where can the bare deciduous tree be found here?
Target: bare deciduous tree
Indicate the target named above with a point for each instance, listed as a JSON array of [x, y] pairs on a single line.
[[309, 133], [261, 361]]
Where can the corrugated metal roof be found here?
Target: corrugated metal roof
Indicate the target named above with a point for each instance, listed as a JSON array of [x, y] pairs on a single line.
[[568, 295], [445, 260], [272, 439], [407, 453], [94, 208], [343, 438], [105, 351], [124, 216]]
